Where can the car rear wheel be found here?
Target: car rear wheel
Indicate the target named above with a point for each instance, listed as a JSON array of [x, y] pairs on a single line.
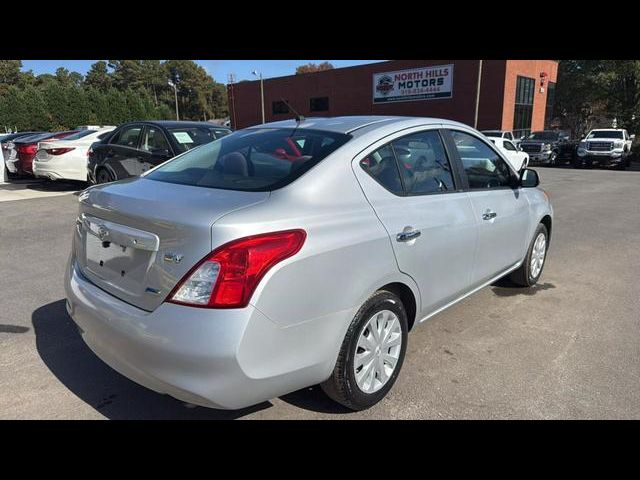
[[104, 176], [372, 353], [531, 269]]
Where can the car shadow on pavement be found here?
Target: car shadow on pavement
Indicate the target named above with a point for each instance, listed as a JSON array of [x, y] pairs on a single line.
[[64, 352], [506, 288], [315, 400]]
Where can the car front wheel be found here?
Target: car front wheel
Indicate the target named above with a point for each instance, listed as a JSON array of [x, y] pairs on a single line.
[[372, 353]]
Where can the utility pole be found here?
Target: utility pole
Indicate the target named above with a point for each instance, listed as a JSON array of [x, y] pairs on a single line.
[[256, 73], [475, 120]]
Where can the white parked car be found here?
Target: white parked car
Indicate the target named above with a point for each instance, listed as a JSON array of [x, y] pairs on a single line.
[[66, 159], [517, 158]]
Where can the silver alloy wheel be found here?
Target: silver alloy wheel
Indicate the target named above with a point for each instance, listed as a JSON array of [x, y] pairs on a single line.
[[538, 253], [377, 351]]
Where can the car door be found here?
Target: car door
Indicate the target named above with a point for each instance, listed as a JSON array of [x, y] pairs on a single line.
[[501, 211], [154, 148], [121, 153], [415, 193]]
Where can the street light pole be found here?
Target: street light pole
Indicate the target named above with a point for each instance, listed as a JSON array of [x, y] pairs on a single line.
[[175, 92], [259, 74]]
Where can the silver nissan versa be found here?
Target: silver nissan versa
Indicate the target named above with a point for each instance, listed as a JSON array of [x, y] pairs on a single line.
[[296, 253]]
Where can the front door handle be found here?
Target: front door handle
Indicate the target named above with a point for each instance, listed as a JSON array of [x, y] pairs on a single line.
[[488, 215], [407, 235]]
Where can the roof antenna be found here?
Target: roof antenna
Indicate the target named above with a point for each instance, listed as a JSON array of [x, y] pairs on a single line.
[[299, 118]]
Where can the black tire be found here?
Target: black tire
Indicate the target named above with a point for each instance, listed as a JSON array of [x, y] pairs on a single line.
[[342, 386], [553, 159], [104, 176], [522, 276]]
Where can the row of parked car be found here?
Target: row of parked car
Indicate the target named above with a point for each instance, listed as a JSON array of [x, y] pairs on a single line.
[[607, 147], [101, 154]]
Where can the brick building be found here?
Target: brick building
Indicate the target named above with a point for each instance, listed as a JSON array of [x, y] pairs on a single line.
[[514, 94]]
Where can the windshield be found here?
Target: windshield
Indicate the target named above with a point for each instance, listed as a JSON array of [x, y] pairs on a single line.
[[80, 134], [190, 137], [543, 136], [605, 134], [251, 160]]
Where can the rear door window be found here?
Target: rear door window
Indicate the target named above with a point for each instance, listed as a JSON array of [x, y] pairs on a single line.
[[153, 140], [423, 163]]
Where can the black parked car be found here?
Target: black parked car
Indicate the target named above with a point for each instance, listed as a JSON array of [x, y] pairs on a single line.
[[549, 147], [135, 147]]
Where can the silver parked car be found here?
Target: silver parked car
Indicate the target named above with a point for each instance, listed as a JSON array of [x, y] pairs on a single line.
[[297, 252]]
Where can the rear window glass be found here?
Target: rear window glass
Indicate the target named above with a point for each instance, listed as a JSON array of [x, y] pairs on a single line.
[[80, 134], [251, 160], [190, 137]]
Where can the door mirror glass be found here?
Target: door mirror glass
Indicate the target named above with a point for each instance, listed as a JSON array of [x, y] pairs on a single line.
[[529, 178]]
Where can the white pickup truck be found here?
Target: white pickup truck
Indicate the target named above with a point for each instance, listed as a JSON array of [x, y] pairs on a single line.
[[609, 147]]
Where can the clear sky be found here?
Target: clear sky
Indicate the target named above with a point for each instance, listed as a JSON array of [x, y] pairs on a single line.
[[218, 69]]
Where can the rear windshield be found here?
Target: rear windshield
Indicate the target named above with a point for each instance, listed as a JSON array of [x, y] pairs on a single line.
[[492, 133], [80, 134], [251, 160], [190, 137], [605, 134]]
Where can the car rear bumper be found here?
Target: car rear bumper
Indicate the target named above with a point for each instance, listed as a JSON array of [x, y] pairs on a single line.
[[227, 359], [58, 169]]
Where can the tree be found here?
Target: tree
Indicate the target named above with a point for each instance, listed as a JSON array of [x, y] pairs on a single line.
[[9, 74], [313, 67], [99, 77]]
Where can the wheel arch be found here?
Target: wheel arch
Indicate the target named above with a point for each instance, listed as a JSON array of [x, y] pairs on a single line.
[[547, 222], [408, 298]]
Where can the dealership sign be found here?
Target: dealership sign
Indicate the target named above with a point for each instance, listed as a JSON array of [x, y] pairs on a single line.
[[413, 84]]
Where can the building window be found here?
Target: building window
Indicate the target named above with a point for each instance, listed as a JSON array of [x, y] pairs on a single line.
[[280, 107], [523, 112], [551, 97], [319, 104]]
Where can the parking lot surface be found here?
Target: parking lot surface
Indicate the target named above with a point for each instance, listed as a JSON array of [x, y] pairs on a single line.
[[568, 348]]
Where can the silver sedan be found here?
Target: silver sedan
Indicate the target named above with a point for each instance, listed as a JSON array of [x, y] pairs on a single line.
[[298, 252]]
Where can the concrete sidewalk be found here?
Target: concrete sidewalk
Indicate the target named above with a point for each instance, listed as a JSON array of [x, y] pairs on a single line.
[[29, 189]]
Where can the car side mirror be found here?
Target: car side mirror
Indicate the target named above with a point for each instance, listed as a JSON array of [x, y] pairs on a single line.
[[529, 178], [632, 137]]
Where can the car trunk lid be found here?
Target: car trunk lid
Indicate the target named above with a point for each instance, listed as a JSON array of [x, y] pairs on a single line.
[[137, 238]]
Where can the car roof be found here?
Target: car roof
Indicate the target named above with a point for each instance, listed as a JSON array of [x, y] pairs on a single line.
[[355, 124], [607, 129], [177, 124]]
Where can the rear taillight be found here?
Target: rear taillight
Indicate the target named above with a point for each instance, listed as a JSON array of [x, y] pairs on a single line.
[[228, 276], [29, 149], [57, 151], [89, 152]]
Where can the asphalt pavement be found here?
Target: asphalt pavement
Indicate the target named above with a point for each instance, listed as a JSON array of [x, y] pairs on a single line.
[[568, 348]]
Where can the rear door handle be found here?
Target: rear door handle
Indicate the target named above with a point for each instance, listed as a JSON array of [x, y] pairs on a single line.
[[488, 215], [408, 235]]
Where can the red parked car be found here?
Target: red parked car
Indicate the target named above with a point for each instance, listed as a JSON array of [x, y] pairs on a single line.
[[27, 147]]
